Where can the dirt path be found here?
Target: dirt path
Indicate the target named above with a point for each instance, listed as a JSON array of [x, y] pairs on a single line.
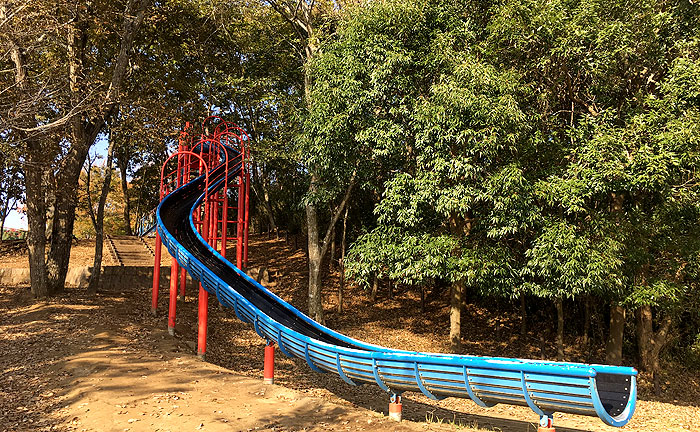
[[100, 365], [79, 363], [103, 364]]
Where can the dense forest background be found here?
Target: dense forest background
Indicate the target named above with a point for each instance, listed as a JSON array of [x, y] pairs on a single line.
[[544, 154]]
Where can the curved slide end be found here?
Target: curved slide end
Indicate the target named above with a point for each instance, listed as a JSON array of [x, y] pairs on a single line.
[[615, 397]]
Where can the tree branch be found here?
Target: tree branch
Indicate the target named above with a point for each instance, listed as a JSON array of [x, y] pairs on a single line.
[[88, 171], [573, 97], [338, 212]]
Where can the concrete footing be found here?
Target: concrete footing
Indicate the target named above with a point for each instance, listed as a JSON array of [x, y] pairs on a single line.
[[395, 408]]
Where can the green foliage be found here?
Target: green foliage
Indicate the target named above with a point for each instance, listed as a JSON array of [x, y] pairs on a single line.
[[444, 136], [563, 262], [550, 148]]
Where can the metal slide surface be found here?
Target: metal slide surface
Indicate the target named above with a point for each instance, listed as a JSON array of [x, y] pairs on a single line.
[[608, 392]]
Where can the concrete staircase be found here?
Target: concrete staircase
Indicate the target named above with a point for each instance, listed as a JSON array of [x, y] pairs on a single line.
[[129, 251]]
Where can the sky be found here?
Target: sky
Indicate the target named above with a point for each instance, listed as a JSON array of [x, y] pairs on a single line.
[[18, 220]]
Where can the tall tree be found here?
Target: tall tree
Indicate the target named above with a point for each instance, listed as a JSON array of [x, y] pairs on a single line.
[[72, 99], [603, 67], [97, 215], [448, 131], [308, 19]]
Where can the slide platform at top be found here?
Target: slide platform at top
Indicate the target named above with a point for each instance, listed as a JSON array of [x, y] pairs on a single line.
[[608, 392]]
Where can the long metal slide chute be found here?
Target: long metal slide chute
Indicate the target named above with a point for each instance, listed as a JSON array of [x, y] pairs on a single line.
[[608, 392]]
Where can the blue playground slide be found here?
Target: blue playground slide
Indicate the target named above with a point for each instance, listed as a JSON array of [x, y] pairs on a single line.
[[608, 392]]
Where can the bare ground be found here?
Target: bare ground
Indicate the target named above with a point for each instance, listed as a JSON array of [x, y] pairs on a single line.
[[104, 363]]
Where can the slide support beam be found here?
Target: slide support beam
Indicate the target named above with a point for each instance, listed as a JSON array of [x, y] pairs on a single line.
[[173, 297], [183, 283], [269, 365], [203, 314]]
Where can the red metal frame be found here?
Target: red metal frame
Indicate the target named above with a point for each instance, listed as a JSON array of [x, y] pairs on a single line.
[[177, 178], [197, 155]]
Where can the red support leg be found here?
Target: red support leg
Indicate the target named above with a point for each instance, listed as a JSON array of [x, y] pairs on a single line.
[[183, 284], [247, 215], [173, 297], [156, 275], [240, 222], [224, 221], [395, 408], [202, 327], [203, 303], [269, 369], [213, 229]]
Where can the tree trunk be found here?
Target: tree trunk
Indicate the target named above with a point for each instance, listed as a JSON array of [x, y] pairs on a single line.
[[375, 288], [263, 196], [456, 294], [341, 287], [4, 212], [2, 227], [34, 168], [83, 133], [314, 250], [645, 334], [331, 261], [613, 349], [66, 200], [560, 328], [36, 217], [50, 199], [651, 344], [99, 222], [586, 320], [318, 248], [458, 227], [659, 342], [123, 162], [523, 315], [422, 299]]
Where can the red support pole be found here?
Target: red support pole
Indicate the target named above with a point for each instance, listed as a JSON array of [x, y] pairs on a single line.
[[247, 215], [156, 275], [203, 305], [224, 221], [173, 297], [224, 211], [269, 366], [180, 182], [183, 283], [240, 222], [203, 313], [213, 230]]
